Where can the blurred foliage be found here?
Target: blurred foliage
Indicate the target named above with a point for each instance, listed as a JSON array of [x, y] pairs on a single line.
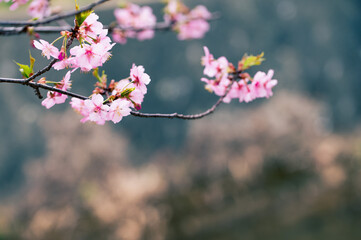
[[278, 175]]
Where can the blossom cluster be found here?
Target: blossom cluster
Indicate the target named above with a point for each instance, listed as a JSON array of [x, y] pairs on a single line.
[[113, 101], [138, 22], [224, 82], [134, 22], [92, 52], [125, 94], [37, 8], [188, 23]]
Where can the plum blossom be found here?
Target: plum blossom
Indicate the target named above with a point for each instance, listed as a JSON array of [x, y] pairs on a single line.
[[47, 49], [55, 97]]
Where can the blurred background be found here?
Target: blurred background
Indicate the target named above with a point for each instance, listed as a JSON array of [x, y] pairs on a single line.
[[284, 168]]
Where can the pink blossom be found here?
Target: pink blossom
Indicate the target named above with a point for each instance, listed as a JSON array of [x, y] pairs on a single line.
[[65, 63], [94, 50], [66, 82], [88, 57], [102, 38], [218, 69], [121, 86], [39, 9], [55, 97], [135, 22], [233, 93], [91, 27], [193, 29], [200, 12], [246, 91], [134, 16], [51, 99], [172, 7], [143, 17], [263, 84], [208, 62], [260, 87], [189, 24], [219, 86], [118, 109], [213, 67], [119, 36], [16, 4], [221, 67], [78, 105], [135, 96], [94, 110], [47, 49], [145, 34], [139, 78]]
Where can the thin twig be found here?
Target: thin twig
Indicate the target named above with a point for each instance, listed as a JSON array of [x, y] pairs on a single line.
[[52, 18], [37, 86], [160, 26], [183, 116], [50, 65]]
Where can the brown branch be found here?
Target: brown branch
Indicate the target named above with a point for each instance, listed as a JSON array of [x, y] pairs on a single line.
[[9, 31], [51, 18], [160, 26], [184, 116], [37, 86], [50, 65]]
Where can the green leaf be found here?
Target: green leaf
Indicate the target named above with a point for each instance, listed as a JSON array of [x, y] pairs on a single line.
[[250, 61], [96, 74], [32, 61], [24, 69], [127, 91], [80, 17], [102, 78]]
